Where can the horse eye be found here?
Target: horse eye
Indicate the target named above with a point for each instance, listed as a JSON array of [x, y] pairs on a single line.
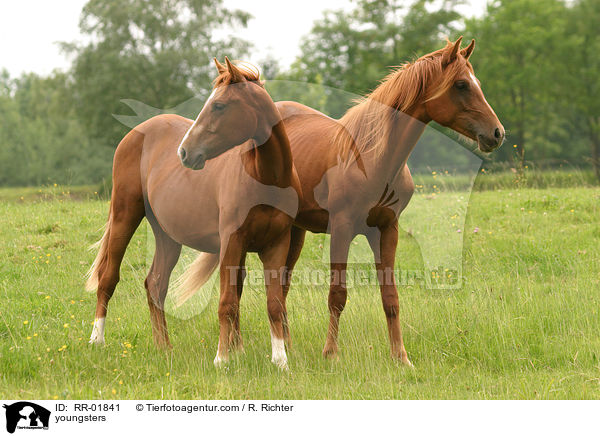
[[218, 106], [461, 84]]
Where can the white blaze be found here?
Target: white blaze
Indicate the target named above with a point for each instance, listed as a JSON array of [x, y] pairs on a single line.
[[210, 97], [476, 83], [474, 80]]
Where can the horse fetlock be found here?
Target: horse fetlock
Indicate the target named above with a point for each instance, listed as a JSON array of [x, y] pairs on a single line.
[[96, 341], [220, 361], [330, 351], [163, 344], [280, 362], [236, 345], [278, 355], [402, 357], [97, 336]]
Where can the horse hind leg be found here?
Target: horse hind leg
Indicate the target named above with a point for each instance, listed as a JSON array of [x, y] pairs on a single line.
[[126, 212], [273, 260], [157, 283], [122, 224]]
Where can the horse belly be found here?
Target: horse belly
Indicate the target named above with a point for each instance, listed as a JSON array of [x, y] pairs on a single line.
[[188, 213], [315, 221]]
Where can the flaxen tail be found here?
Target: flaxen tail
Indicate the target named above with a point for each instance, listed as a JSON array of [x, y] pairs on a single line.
[[194, 277], [92, 275]]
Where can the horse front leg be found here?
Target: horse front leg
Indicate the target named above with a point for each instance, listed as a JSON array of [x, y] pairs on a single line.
[[232, 262], [383, 242], [296, 243], [235, 336], [341, 237], [274, 259]]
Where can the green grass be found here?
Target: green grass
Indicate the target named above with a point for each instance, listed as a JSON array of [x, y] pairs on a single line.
[[524, 325], [492, 180]]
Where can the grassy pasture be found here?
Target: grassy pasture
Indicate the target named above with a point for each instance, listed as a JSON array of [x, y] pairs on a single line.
[[524, 324]]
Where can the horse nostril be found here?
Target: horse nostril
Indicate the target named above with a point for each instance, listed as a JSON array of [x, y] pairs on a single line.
[[497, 133], [182, 154]]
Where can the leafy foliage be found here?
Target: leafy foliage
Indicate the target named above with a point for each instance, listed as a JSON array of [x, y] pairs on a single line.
[[157, 52], [536, 59]]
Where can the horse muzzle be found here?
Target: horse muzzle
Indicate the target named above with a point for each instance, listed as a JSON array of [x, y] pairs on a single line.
[[487, 143], [189, 160]]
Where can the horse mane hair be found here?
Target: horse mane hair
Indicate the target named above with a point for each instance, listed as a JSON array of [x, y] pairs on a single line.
[[367, 125], [250, 72]]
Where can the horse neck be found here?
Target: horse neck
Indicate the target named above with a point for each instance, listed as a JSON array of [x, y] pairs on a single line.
[[395, 138], [404, 133], [271, 162], [394, 117]]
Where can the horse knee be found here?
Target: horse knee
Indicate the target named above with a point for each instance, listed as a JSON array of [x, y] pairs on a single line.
[[155, 290], [275, 310], [337, 298], [390, 305], [227, 308]]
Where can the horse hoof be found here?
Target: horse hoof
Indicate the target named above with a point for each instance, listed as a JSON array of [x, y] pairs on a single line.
[[238, 348], [281, 364], [96, 341], [403, 359], [330, 354], [220, 362], [164, 346]]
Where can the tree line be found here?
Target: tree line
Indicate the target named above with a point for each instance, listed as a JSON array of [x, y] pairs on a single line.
[[537, 61]]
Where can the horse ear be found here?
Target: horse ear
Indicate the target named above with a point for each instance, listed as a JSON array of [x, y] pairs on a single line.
[[466, 52], [220, 67], [450, 53], [236, 75]]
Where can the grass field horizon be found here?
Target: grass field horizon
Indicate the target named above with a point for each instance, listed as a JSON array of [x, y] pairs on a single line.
[[523, 325]]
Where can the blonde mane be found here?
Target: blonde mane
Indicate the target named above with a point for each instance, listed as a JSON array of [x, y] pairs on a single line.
[[367, 125]]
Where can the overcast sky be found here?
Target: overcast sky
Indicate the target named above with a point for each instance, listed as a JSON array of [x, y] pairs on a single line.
[[29, 29]]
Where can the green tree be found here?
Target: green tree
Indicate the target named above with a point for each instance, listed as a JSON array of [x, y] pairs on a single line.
[[156, 51], [518, 61], [41, 140], [581, 82], [353, 50]]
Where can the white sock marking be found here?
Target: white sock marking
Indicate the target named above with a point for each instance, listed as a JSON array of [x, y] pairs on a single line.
[[278, 356], [220, 360], [97, 336]]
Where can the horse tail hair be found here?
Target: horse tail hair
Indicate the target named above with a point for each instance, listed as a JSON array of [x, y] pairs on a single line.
[[194, 277], [91, 283]]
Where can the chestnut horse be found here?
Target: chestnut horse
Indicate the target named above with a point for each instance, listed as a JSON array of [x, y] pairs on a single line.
[[243, 200], [354, 174]]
